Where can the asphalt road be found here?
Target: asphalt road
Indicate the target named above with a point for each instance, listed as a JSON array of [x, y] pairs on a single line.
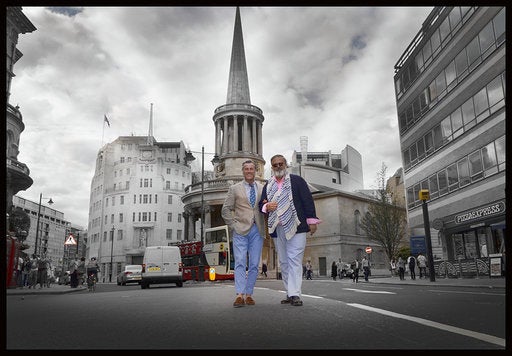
[[337, 315]]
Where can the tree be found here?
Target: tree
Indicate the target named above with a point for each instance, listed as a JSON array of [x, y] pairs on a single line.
[[386, 221]]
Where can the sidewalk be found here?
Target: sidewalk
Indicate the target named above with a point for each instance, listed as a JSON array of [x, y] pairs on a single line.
[[481, 282]]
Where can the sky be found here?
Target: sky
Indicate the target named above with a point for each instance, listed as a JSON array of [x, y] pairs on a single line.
[[321, 72]]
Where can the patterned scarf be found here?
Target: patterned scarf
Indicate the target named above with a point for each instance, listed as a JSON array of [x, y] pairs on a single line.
[[285, 213]]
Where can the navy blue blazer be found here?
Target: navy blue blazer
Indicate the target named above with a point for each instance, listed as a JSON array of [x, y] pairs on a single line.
[[302, 199]]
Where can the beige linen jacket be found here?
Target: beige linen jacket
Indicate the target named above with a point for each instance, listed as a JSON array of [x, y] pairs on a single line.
[[238, 213]]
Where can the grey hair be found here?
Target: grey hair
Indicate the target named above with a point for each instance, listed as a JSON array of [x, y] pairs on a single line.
[[249, 161]]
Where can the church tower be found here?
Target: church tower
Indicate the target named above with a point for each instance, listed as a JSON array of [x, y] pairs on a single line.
[[238, 137], [238, 124]]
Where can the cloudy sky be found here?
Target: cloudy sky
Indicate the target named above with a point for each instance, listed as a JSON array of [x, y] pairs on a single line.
[[325, 73]]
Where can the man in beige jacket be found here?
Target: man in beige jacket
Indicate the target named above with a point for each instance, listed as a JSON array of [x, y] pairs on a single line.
[[241, 213]]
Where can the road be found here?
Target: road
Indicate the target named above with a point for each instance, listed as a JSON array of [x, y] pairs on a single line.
[[335, 315]]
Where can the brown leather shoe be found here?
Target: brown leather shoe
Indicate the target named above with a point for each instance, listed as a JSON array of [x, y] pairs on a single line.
[[239, 302], [249, 300]]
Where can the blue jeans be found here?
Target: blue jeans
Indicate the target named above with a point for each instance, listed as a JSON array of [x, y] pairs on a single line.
[[247, 252]]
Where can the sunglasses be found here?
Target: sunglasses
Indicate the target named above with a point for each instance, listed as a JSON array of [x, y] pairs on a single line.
[[280, 164]]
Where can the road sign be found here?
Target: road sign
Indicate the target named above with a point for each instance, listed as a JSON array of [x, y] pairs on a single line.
[[70, 240], [368, 249]]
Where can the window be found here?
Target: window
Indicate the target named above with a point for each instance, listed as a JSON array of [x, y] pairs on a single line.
[[113, 200], [120, 217], [432, 186], [168, 171], [473, 50], [169, 217], [168, 234], [146, 182], [441, 84], [112, 218], [486, 37], [451, 75], [134, 198], [121, 198], [435, 42], [499, 27], [476, 169], [455, 18], [442, 180], [421, 149], [461, 64], [444, 29], [119, 235], [463, 168], [144, 216], [145, 199], [468, 114], [169, 199], [489, 159], [178, 235], [429, 142], [167, 185], [179, 218], [495, 93], [446, 129], [457, 126], [500, 152], [481, 104], [453, 177], [156, 198]]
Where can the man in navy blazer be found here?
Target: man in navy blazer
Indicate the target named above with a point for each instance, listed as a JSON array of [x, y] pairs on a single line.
[[242, 214], [287, 200]]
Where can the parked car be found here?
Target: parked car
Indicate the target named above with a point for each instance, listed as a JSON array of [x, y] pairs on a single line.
[[130, 274]]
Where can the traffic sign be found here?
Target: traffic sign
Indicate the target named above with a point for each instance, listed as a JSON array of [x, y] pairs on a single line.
[[368, 249], [70, 240]]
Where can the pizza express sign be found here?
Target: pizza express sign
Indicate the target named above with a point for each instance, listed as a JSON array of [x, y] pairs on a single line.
[[493, 209]]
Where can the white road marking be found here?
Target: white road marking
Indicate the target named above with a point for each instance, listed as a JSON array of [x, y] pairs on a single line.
[[369, 291], [476, 335]]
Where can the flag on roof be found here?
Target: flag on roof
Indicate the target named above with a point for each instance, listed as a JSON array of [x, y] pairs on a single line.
[[106, 120]]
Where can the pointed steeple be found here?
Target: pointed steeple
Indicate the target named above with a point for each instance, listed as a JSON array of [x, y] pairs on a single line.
[[150, 131], [238, 85]]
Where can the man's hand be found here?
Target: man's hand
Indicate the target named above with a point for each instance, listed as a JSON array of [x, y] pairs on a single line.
[[312, 229]]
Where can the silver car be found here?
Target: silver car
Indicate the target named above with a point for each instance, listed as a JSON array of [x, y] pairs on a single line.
[[130, 274]]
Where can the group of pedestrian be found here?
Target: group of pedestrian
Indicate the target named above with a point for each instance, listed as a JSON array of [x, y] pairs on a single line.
[[33, 271], [285, 208], [411, 262]]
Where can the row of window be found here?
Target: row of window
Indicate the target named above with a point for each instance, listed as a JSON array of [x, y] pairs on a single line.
[[142, 216], [120, 234], [432, 46], [476, 109], [472, 168], [482, 45]]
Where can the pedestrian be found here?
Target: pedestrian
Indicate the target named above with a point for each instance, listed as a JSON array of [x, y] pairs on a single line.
[[241, 213], [264, 269], [422, 265], [309, 270], [355, 275], [334, 270], [33, 272], [27, 266], [81, 271], [50, 273], [412, 264], [19, 272], [401, 268], [366, 268], [339, 266], [92, 267], [392, 267], [291, 215], [73, 273], [42, 271]]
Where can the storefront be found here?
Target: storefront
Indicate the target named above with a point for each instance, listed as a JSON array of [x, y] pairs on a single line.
[[471, 237]]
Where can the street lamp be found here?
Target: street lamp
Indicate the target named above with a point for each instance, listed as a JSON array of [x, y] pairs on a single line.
[[424, 196], [111, 253], [38, 217]]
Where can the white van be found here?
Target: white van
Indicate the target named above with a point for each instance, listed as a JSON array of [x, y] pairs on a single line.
[[161, 264]]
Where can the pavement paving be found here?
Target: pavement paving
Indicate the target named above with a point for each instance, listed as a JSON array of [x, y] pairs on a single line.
[[477, 282]]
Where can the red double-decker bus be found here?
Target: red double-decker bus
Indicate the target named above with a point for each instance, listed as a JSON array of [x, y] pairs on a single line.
[[217, 259]]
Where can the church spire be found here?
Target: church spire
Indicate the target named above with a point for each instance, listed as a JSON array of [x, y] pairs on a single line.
[[238, 85]]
